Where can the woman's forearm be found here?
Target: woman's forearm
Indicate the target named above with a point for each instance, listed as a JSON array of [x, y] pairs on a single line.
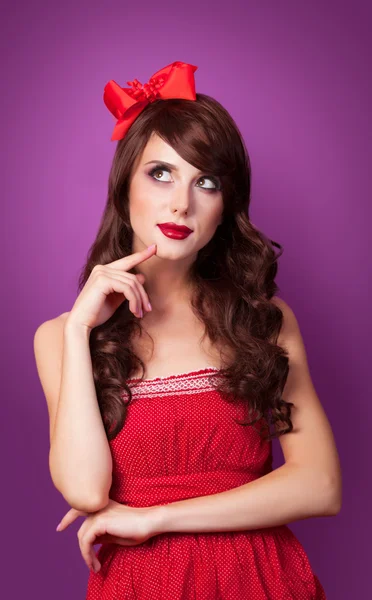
[[80, 460], [286, 494]]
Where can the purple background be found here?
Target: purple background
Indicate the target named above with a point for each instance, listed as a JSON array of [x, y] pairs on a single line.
[[296, 78]]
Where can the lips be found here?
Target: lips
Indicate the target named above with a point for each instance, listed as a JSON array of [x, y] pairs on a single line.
[[174, 227], [174, 232]]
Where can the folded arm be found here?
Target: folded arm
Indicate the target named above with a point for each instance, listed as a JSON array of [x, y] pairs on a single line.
[[287, 494]]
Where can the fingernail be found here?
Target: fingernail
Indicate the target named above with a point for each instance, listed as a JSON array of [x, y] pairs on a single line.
[[151, 247], [149, 306], [141, 313], [58, 527]]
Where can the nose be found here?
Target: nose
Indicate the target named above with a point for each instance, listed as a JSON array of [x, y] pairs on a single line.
[[181, 200]]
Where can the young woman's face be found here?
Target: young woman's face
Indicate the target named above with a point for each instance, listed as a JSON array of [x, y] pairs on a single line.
[[180, 194]]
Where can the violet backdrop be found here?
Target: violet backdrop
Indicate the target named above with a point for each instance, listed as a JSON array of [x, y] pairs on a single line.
[[296, 78]]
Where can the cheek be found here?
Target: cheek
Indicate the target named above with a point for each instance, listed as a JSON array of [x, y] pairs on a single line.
[[142, 205], [140, 195], [215, 215], [209, 224]]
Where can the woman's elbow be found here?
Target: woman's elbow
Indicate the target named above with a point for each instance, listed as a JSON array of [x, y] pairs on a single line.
[[90, 503]]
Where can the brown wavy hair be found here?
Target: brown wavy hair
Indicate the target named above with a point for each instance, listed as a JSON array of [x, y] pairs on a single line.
[[233, 275]]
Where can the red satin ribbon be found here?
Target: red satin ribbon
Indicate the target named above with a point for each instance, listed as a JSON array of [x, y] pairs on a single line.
[[173, 81]]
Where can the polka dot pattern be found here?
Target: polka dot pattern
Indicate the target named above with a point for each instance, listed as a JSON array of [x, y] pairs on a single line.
[[180, 441]]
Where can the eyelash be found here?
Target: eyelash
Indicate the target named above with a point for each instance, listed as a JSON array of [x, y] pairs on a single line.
[[210, 177]]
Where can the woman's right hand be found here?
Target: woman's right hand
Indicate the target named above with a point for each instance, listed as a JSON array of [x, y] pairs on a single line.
[[107, 287]]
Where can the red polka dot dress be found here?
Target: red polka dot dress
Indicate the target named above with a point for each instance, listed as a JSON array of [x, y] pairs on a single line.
[[180, 441]]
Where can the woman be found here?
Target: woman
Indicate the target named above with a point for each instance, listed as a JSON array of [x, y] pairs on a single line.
[[163, 408]]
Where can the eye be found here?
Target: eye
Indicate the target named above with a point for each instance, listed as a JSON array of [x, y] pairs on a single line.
[[158, 170], [214, 180], [216, 185]]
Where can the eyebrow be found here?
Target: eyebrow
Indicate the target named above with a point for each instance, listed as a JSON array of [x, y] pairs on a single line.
[[163, 162]]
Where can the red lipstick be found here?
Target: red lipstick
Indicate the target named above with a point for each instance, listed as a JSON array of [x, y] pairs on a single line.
[[174, 231]]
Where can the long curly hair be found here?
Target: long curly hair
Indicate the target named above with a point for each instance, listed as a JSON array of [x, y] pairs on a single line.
[[233, 275]]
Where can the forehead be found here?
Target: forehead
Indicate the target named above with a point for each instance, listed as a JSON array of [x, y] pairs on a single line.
[[157, 149]]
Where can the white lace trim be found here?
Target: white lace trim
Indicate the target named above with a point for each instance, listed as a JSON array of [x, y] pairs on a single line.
[[189, 382]]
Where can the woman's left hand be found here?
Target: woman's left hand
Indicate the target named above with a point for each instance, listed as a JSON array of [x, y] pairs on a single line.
[[123, 524]]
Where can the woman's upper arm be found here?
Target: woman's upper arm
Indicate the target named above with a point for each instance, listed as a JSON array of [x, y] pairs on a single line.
[[311, 443], [48, 350]]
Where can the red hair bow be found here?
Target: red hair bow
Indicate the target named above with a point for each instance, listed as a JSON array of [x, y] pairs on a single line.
[[173, 81]]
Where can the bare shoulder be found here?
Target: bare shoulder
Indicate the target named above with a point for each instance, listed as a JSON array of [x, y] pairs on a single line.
[[62, 317], [48, 350], [49, 328], [278, 302], [290, 327], [290, 336]]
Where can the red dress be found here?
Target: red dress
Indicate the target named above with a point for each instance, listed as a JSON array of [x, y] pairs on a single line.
[[179, 441]]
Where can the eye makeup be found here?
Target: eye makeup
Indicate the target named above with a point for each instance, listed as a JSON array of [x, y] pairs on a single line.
[[163, 167]]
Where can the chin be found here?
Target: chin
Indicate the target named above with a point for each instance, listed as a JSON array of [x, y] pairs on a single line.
[[170, 254]]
